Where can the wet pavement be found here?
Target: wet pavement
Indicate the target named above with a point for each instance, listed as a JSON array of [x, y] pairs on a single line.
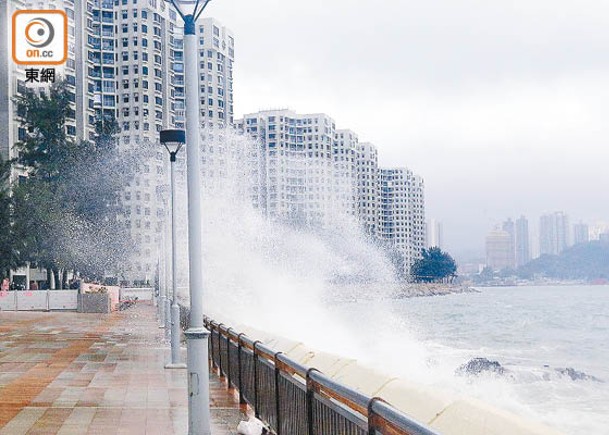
[[69, 373]]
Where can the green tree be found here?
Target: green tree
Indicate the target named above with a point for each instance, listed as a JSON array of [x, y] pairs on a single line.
[[9, 249], [434, 266], [68, 208]]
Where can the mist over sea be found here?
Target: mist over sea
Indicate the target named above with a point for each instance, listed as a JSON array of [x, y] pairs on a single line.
[[532, 331]]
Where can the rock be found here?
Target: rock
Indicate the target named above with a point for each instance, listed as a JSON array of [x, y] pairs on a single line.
[[476, 366], [577, 375]]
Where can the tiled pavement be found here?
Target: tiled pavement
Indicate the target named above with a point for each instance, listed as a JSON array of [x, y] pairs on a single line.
[[69, 373]]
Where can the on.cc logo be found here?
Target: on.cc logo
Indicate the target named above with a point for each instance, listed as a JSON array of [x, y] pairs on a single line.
[[40, 37]]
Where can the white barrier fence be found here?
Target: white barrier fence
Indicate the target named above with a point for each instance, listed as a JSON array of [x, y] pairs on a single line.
[[38, 300]]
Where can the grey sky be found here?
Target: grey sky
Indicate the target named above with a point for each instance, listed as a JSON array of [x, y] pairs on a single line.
[[499, 104]]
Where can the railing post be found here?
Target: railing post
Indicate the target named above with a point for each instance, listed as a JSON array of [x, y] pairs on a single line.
[[310, 393], [372, 417], [228, 374], [221, 366], [211, 345], [277, 398], [255, 356], [240, 374]]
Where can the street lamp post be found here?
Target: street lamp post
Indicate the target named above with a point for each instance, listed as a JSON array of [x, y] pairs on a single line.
[[196, 336], [162, 288], [173, 140]]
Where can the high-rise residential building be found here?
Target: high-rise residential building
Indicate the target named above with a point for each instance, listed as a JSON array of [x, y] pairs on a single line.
[[345, 151], [499, 250], [368, 187], [553, 233], [12, 82], [297, 152], [402, 213], [216, 58], [435, 234], [523, 250], [126, 62], [581, 233]]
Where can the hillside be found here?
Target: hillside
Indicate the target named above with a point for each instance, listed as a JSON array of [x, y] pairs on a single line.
[[587, 261]]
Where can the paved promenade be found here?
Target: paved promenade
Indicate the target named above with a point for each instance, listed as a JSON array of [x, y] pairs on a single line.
[[68, 373]]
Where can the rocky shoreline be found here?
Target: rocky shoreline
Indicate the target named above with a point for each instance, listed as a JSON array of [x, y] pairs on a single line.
[[410, 290]]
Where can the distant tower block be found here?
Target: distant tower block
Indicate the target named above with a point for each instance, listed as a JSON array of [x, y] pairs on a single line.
[[435, 234], [553, 233], [523, 249], [581, 233], [499, 250]]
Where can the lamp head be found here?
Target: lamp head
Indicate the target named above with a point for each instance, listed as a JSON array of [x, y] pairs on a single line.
[[189, 10], [173, 140]]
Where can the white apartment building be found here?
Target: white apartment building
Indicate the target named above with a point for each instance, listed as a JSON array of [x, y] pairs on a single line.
[[297, 174], [402, 213], [126, 62], [368, 187], [345, 171], [12, 82]]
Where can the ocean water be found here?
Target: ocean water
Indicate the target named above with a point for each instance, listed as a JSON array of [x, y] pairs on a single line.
[[531, 331]]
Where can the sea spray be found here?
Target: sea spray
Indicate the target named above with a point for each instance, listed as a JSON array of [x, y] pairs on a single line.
[[268, 271]]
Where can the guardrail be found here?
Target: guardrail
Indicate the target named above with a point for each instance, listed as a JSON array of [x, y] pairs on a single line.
[[297, 400]]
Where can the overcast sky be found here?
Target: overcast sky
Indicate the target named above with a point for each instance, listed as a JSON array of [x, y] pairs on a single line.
[[500, 105]]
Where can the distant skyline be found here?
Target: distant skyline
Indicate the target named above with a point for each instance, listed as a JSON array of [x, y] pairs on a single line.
[[500, 106]]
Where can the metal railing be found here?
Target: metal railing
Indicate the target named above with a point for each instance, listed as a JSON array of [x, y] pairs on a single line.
[[297, 400]]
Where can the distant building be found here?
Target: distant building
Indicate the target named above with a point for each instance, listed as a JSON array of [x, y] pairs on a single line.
[[523, 250], [509, 227], [345, 152], [581, 233], [553, 233], [368, 187], [435, 234], [499, 250], [402, 213]]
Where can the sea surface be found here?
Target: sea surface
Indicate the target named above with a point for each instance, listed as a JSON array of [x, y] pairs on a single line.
[[533, 332]]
